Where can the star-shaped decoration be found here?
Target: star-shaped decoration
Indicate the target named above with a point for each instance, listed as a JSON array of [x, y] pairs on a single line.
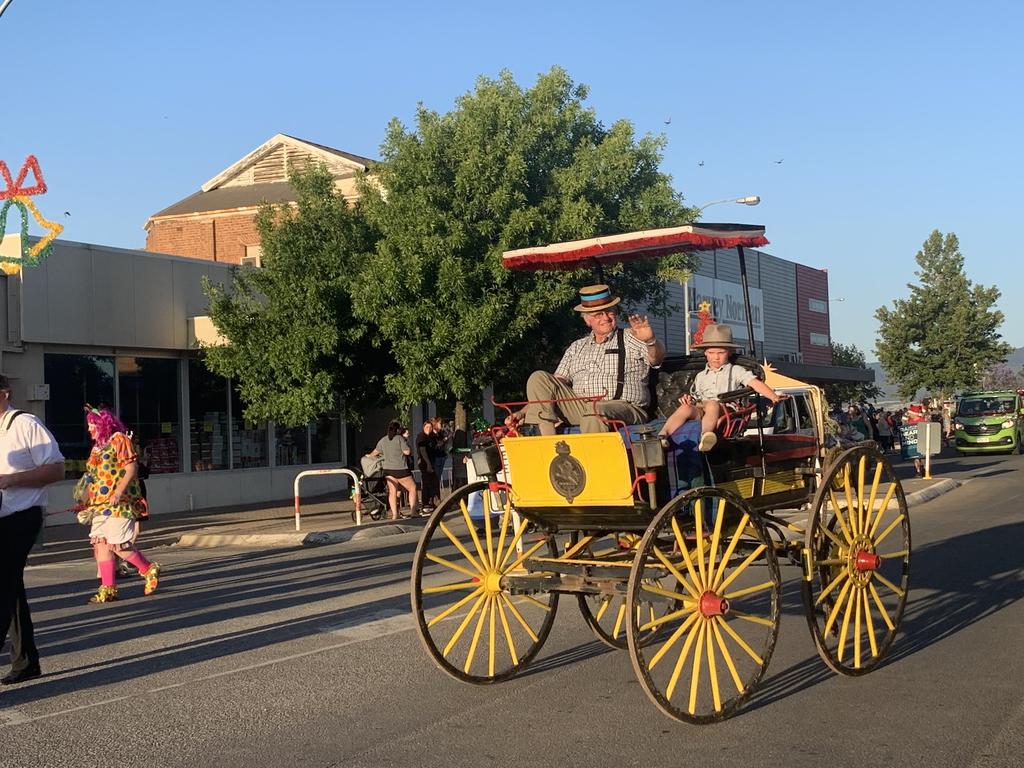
[[704, 306], [42, 247]]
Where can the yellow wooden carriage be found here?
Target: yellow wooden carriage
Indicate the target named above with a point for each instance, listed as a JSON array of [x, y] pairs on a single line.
[[682, 572]]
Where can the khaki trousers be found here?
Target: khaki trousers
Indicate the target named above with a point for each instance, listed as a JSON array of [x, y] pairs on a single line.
[[543, 386]]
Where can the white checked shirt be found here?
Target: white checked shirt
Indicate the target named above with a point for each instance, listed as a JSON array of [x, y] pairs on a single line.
[[592, 367], [710, 383]]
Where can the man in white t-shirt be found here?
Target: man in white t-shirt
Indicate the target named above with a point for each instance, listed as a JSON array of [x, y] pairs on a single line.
[[29, 461]]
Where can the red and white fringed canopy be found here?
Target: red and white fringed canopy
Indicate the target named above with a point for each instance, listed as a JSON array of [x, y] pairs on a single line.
[[635, 245]]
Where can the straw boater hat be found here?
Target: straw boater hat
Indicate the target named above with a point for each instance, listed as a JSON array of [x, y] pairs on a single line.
[[716, 335], [594, 298]]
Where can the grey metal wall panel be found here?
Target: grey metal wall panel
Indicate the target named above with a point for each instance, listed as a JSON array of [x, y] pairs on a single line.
[[189, 299], [66, 293], [154, 291], [778, 281], [705, 264], [727, 265], [672, 335], [113, 297], [35, 318], [114, 300]]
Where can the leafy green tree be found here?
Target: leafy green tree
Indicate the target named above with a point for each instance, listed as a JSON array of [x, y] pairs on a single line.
[[850, 356], [507, 168], [943, 337], [295, 349]]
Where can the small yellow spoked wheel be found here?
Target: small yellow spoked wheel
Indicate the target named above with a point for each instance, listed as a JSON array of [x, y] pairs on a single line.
[[707, 566], [605, 613], [858, 561], [480, 614]]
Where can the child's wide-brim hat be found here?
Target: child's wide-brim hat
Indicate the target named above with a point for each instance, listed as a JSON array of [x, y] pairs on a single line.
[[594, 298], [717, 335]]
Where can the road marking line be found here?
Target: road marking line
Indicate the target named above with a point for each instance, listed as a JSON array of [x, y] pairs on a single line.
[[393, 621], [21, 718]]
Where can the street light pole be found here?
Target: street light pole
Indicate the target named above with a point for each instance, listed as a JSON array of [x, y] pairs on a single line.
[[748, 200]]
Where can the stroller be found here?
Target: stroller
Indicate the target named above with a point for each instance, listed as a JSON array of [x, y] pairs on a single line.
[[373, 488]]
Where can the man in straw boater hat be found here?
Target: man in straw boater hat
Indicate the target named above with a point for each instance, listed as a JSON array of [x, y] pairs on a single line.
[[719, 376], [609, 361]]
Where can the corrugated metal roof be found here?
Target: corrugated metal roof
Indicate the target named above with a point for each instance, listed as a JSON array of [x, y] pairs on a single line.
[[229, 198]]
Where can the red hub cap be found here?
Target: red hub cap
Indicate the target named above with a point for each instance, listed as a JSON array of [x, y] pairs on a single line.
[[868, 561], [713, 605]]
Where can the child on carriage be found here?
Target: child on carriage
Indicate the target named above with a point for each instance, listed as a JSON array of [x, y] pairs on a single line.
[[721, 375]]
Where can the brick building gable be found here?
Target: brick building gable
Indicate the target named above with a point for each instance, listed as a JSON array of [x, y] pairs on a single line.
[[217, 223]]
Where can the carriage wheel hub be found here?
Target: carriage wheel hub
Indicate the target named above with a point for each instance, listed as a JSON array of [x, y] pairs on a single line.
[[867, 561], [713, 605], [492, 582]]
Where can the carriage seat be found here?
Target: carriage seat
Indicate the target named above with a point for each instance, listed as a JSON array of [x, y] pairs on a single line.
[[675, 378]]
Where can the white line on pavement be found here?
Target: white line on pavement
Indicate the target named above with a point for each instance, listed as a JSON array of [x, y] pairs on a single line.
[[386, 622]]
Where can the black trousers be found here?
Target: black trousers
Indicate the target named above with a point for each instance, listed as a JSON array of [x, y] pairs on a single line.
[[18, 533]]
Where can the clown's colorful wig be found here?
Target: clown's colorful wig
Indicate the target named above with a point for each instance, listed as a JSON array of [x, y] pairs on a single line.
[[106, 423]]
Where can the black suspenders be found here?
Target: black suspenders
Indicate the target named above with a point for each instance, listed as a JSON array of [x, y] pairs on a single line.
[[620, 375]]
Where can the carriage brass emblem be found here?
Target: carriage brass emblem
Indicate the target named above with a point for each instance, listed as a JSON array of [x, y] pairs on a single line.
[[567, 475]]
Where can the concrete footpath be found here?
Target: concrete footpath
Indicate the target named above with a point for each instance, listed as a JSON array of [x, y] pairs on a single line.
[[330, 521]]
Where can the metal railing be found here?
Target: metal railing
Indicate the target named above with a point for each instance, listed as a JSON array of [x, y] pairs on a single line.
[[343, 471]]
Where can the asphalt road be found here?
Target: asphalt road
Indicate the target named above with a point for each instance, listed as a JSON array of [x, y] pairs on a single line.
[[307, 657]]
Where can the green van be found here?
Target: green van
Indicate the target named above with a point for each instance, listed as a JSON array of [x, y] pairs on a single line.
[[989, 422]]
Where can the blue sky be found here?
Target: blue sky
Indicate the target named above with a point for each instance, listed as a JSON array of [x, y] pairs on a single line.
[[891, 119]]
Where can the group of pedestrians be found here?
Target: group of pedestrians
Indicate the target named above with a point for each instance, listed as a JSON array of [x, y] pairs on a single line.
[[399, 459], [110, 500], [883, 426], [868, 423]]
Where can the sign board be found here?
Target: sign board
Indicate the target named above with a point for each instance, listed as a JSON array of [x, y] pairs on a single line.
[[727, 306], [918, 440]]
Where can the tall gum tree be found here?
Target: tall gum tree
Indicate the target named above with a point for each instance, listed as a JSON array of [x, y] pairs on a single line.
[[507, 168], [295, 349], [945, 335]]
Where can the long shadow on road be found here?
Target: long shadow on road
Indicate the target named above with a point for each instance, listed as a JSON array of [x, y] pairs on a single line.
[[207, 596], [955, 583]]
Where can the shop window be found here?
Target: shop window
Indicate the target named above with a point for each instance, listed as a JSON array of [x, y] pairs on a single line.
[[208, 418], [325, 439], [248, 438], [291, 446], [74, 381], [150, 407]]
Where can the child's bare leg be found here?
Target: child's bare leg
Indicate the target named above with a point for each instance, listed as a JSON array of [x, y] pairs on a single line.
[[679, 416], [708, 422], [712, 411]]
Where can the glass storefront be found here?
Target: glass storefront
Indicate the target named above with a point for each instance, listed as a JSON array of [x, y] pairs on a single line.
[[248, 439], [147, 392], [325, 439], [74, 381], [150, 407], [290, 446], [208, 418]]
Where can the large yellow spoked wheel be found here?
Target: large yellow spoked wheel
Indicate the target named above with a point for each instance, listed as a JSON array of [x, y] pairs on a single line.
[[479, 622], [708, 569], [858, 561], [605, 612]]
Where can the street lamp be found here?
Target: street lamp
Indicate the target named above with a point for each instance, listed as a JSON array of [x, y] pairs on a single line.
[[748, 200]]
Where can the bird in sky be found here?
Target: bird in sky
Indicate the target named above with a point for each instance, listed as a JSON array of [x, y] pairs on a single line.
[[669, 121], [779, 162], [67, 213], [701, 164]]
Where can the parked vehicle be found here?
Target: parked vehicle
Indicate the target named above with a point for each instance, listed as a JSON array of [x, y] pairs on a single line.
[[989, 422]]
